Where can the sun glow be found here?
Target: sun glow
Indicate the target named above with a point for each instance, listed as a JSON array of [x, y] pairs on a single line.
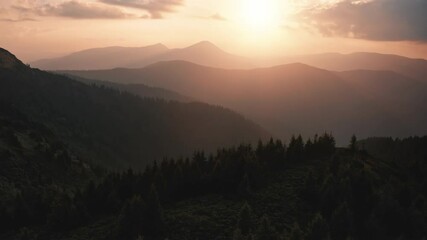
[[260, 14]]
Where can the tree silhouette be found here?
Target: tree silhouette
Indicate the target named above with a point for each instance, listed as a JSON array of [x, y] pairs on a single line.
[[244, 189], [353, 143], [132, 218], [341, 222], [154, 219], [318, 228], [246, 222], [296, 233], [296, 148], [237, 235], [265, 230]]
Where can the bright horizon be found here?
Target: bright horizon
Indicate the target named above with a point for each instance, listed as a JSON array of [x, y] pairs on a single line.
[[251, 28]]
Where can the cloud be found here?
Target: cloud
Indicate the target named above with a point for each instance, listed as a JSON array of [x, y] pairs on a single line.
[[74, 9], [156, 8], [379, 20], [80, 10], [17, 20], [218, 16], [214, 17]]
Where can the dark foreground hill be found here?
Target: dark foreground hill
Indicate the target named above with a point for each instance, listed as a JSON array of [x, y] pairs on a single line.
[[303, 190], [296, 98], [114, 128]]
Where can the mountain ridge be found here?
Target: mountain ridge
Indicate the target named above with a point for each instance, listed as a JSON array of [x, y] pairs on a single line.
[[204, 52], [287, 98], [9, 61], [415, 68], [118, 129]]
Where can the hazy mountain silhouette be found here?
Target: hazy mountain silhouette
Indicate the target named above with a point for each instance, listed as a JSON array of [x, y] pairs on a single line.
[[414, 68], [400, 95], [113, 127], [204, 53], [293, 98], [101, 58], [140, 90]]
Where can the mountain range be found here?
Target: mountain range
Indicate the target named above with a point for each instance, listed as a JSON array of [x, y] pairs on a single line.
[[295, 98], [110, 127], [414, 68], [140, 90], [77, 151], [362, 93], [207, 54], [204, 53]]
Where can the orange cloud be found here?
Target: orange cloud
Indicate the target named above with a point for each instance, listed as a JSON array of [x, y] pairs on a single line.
[[156, 8]]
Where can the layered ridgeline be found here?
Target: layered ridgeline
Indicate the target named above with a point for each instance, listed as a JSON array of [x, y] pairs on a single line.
[[295, 98], [50, 125], [140, 90], [414, 68], [204, 53], [114, 128]]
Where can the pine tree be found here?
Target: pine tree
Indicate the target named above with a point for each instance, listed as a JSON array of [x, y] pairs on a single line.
[[244, 189], [154, 219], [246, 220], [140, 237], [353, 143], [237, 235], [265, 230], [296, 148], [131, 218], [341, 222], [296, 233], [318, 228]]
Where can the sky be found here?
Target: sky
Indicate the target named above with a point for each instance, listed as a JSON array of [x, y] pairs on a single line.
[[36, 29]]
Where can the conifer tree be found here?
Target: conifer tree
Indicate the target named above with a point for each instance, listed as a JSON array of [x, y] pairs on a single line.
[[244, 189], [353, 143], [265, 230], [246, 221], [154, 219], [131, 218], [341, 222], [296, 233], [318, 228], [237, 235]]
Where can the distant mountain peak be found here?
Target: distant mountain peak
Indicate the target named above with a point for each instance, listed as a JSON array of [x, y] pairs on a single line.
[[203, 53], [297, 66], [160, 45], [8, 60], [204, 45]]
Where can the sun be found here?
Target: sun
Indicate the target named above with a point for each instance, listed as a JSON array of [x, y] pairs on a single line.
[[260, 14]]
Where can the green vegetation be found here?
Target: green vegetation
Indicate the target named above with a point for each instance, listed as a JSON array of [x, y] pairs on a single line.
[[60, 141], [319, 194], [117, 129]]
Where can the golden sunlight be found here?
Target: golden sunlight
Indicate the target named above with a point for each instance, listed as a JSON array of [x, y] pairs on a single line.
[[260, 15]]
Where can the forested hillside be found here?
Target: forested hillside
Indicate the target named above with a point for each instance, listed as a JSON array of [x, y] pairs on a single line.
[[139, 90], [301, 190], [76, 162], [295, 98], [114, 128]]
